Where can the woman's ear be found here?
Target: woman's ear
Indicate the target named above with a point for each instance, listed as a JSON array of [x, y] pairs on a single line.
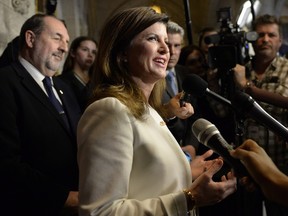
[[72, 53]]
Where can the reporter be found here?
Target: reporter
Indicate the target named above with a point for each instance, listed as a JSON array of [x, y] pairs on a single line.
[[273, 183]]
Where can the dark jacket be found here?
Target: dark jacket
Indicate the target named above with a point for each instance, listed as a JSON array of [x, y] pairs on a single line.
[[38, 162], [181, 129]]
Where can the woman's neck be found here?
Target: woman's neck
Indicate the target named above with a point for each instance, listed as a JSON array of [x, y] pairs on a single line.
[[82, 75]]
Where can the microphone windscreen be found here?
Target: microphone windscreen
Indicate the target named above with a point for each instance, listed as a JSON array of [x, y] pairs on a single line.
[[203, 130], [194, 85]]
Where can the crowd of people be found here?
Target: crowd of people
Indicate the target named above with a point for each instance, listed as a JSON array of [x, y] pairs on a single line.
[[111, 135]]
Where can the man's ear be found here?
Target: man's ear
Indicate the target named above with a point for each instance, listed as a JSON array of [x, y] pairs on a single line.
[[30, 38]]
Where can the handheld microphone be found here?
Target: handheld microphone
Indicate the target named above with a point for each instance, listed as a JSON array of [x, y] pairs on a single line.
[[245, 104], [197, 87], [185, 97], [209, 135]]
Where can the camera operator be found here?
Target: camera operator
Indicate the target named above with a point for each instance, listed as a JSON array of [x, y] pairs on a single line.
[[267, 74]]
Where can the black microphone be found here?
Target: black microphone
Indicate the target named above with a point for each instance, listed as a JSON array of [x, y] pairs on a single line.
[[197, 87], [241, 103], [209, 135], [245, 104]]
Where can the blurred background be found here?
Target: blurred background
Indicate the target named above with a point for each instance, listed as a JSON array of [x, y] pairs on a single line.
[[86, 17]]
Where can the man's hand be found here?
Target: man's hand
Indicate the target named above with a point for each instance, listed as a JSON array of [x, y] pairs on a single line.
[[174, 109]]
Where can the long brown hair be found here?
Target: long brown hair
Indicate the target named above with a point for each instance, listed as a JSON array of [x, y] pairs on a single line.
[[111, 78]]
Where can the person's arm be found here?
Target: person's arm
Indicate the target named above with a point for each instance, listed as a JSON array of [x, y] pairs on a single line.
[[174, 110], [267, 97], [258, 94], [273, 183], [190, 149]]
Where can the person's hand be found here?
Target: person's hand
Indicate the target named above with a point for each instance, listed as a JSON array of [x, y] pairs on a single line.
[[189, 149], [257, 162], [240, 76], [71, 204], [200, 165], [255, 159], [174, 109], [207, 192]]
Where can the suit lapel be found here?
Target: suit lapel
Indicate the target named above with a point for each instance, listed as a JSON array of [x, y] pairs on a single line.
[[31, 85], [69, 103]]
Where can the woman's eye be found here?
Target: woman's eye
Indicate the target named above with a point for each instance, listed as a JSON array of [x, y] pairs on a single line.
[[152, 39]]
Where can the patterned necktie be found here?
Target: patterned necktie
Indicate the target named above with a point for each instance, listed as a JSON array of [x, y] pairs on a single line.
[[48, 86], [170, 77]]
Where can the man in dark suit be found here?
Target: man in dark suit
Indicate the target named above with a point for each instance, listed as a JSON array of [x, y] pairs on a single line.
[[180, 128], [38, 164]]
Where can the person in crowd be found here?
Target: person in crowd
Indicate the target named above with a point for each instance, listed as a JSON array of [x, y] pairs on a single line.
[[273, 184], [180, 128], [205, 44], [267, 74], [129, 162], [212, 74], [193, 57], [38, 151], [78, 67]]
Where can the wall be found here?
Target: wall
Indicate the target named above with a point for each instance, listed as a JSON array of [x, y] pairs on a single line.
[[86, 17], [12, 15]]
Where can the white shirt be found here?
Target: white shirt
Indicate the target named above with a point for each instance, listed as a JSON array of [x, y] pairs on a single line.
[[37, 76]]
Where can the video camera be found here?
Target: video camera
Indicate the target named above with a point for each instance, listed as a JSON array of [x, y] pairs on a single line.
[[231, 47], [231, 44]]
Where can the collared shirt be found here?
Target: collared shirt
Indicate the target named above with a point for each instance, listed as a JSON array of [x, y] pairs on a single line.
[[276, 81], [37, 76]]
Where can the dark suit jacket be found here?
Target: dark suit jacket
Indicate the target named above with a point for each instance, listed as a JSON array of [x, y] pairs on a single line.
[[181, 129], [38, 163]]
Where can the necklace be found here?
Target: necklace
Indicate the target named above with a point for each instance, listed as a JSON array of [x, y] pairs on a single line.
[[83, 80]]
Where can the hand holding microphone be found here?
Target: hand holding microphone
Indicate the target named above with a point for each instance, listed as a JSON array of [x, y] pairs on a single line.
[[174, 108]]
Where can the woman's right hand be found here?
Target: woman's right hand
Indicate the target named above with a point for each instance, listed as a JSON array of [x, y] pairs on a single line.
[[207, 192]]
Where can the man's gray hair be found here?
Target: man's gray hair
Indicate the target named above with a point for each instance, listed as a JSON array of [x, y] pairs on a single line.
[[174, 28]]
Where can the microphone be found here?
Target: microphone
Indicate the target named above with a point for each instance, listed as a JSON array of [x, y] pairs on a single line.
[[209, 135], [245, 104], [197, 87], [241, 103]]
